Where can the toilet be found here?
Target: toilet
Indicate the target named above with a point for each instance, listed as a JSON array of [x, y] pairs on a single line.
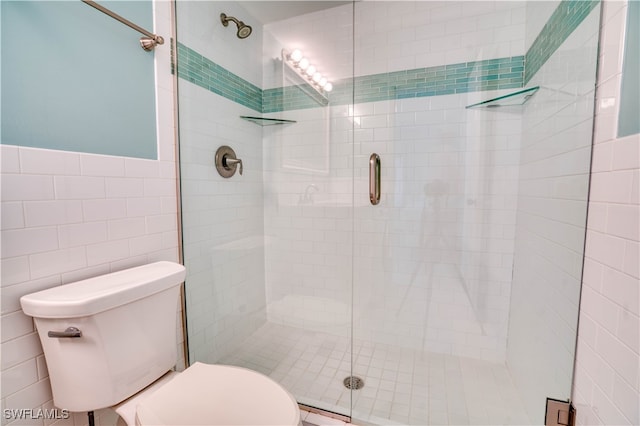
[[110, 341]]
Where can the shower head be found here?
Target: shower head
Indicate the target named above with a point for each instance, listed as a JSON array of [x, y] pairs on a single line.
[[244, 30]]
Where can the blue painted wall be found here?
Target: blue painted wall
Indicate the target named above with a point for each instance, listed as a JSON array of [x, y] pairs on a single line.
[[75, 79]]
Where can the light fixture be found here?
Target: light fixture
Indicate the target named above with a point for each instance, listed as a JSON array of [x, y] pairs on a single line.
[[301, 65], [310, 70], [296, 55]]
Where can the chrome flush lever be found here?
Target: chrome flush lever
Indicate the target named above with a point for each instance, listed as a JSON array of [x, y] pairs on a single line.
[[69, 332]]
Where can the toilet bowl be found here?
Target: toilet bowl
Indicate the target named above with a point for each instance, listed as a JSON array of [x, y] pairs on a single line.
[[110, 341]]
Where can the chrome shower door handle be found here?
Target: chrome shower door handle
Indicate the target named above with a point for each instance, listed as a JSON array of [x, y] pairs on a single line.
[[374, 178]]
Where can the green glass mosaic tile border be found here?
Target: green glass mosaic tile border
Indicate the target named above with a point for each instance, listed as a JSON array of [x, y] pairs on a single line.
[[207, 74], [564, 20], [291, 97], [492, 74], [502, 73]]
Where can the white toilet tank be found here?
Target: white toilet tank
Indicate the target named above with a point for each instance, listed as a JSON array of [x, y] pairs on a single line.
[[128, 324]]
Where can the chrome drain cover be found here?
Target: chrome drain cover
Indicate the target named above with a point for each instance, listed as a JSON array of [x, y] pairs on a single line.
[[353, 382]]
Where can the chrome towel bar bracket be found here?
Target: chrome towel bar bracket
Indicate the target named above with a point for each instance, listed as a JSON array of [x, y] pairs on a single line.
[[148, 42]]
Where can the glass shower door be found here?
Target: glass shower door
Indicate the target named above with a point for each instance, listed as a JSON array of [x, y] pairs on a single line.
[[467, 274]]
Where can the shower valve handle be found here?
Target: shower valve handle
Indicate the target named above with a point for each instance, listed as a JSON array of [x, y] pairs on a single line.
[[231, 162], [226, 161]]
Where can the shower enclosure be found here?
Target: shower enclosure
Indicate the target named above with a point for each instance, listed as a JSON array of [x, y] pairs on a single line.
[[454, 299]]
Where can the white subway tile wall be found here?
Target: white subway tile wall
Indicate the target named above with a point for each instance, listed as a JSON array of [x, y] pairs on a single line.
[[443, 233], [223, 232], [394, 36], [324, 37], [607, 383], [308, 219], [206, 35], [69, 216]]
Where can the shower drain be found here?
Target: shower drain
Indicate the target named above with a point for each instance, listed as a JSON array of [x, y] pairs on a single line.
[[353, 382]]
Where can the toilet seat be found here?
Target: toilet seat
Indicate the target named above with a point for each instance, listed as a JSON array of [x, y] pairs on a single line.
[[127, 408], [206, 394]]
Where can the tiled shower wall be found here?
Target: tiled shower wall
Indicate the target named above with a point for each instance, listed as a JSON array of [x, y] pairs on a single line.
[[394, 36], [308, 220], [433, 260], [67, 216], [223, 224]]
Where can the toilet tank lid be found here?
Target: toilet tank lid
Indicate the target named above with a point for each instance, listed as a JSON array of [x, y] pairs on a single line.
[[98, 294]]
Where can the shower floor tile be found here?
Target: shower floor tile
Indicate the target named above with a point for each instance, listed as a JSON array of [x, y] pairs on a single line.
[[402, 386]]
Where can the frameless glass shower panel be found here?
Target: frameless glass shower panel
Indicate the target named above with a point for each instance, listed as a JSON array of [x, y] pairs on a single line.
[[434, 316], [553, 189], [219, 80], [269, 252]]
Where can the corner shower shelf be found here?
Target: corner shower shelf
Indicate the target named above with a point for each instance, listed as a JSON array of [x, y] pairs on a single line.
[[266, 121], [515, 98]]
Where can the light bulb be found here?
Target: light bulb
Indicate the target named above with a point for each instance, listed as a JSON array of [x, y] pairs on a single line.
[[322, 82], [311, 70], [303, 64], [328, 87], [316, 77], [296, 55]]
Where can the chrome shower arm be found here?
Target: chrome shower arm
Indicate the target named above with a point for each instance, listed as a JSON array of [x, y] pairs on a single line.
[[224, 18]]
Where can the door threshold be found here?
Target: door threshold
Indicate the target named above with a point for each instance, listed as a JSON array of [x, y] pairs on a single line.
[[325, 413]]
